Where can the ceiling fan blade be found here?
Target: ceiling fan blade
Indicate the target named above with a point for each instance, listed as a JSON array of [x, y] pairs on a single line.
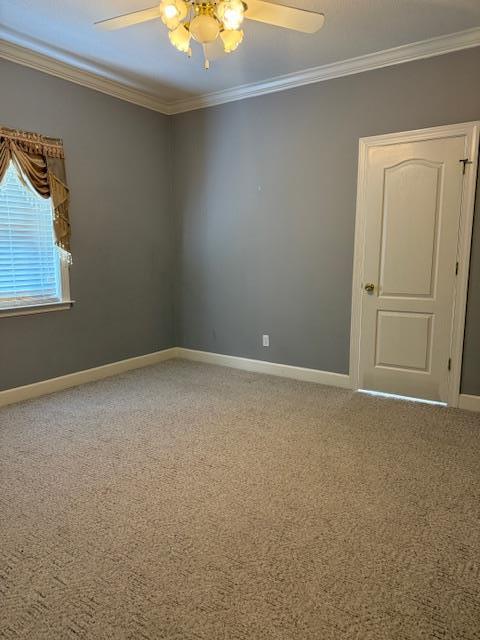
[[129, 19], [281, 16]]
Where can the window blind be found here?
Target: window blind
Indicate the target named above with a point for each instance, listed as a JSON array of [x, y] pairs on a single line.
[[29, 259]]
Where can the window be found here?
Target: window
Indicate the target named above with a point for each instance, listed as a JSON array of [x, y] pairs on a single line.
[[32, 270]]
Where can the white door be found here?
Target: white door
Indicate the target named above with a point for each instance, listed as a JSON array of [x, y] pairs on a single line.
[[412, 204]]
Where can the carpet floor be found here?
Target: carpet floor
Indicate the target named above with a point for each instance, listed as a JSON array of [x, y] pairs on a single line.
[[192, 502]]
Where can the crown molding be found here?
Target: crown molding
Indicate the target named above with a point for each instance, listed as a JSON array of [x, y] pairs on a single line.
[[389, 57], [74, 70], [77, 70]]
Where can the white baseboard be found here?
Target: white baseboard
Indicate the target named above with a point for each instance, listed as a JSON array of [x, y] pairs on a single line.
[[52, 385], [45, 387], [271, 368], [472, 403]]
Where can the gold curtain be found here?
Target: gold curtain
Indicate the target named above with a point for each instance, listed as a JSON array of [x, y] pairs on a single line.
[[40, 160]]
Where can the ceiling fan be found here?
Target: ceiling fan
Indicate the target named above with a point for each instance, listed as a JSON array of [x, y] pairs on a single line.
[[215, 24]]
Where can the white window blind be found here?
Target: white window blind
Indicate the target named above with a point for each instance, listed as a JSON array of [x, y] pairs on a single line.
[[29, 259]]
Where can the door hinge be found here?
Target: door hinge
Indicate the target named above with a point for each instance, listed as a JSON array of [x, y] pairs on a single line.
[[465, 161], [456, 268], [449, 364]]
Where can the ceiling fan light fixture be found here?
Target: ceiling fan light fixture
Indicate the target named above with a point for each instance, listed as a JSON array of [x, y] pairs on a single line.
[[231, 13], [204, 28], [231, 38], [180, 38], [216, 21], [172, 12]]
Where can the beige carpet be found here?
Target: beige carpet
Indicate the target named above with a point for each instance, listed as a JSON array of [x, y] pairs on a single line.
[[191, 502]]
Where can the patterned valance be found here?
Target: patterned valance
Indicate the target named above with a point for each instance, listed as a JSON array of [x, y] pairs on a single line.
[[40, 160], [34, 142]]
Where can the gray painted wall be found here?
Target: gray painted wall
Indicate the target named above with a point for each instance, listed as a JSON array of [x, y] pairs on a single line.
[[471, 351], [264, 198], [118, 169], [266, 193]]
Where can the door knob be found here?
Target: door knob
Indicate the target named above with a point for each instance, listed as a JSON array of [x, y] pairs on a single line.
[[369, 287]]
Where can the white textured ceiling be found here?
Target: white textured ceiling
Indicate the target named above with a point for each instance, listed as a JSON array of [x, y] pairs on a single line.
[[143, 56]]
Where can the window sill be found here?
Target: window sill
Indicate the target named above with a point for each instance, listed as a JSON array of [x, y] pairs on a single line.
[[36, 308]]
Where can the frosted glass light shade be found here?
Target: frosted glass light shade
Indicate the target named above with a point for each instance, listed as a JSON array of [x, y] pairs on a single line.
[[231, 38], [180, 38], [230, 13], [172, 12], [204, 29]]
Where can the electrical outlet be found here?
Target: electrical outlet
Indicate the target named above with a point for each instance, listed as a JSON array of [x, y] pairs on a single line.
[[266, 340]]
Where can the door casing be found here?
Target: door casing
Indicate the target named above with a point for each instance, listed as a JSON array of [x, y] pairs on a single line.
[[471, 131]]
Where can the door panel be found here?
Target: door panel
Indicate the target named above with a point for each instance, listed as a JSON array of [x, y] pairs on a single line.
[[409, 224], [413, 204]]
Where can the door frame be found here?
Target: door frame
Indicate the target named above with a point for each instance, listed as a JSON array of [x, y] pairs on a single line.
[[471, 131]]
